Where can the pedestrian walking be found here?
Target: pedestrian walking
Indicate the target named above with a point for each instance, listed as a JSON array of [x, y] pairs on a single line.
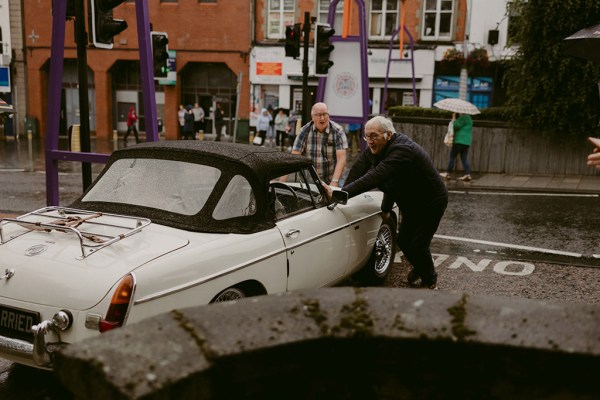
[[281, 123], [198, 118], [181, 119], [188, 124], [219, 122], [404, 172], [463, 136], [293, 120], [271, 131], [262, 126], [131, 126], [325, 143]]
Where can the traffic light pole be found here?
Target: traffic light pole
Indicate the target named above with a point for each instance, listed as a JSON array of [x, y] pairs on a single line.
[[84, 109], [305, 92]]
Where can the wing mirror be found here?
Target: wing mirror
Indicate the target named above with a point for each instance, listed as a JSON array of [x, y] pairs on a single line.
[[339, 197]]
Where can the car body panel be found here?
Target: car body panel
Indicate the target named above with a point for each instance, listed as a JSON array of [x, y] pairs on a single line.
[[251, 230]]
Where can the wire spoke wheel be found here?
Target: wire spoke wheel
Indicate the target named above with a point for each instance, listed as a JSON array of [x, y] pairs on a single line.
[[229, 294]]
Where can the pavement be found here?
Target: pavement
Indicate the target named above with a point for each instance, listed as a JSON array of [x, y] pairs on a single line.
[[22, 163]]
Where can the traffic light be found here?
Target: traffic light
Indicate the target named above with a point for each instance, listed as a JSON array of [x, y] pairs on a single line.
[[103, 26], [292, 41], [160, 54], [323, 48]]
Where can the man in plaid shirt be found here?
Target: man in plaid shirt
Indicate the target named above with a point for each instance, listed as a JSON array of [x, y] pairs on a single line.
[[325, 143]]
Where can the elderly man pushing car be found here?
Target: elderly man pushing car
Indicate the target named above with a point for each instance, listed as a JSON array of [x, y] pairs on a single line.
[[405, 174]]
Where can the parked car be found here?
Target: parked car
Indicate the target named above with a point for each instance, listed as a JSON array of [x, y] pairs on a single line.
[[177, 224]]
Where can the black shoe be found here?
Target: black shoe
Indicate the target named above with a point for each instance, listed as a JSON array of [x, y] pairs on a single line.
[[412, 277]]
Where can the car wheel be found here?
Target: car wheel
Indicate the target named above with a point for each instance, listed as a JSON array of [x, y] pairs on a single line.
[[382, 257], [229, 294]]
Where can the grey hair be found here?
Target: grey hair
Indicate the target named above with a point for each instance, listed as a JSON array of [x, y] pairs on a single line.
[[385, 125]]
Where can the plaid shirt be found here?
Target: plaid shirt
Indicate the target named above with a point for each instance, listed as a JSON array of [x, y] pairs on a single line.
[[320, 147]]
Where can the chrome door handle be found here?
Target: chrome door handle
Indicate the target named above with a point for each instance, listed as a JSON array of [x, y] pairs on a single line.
[[292, 232]]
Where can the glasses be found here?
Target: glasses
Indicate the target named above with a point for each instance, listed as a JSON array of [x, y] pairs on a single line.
[[321, 115], [373, 136]]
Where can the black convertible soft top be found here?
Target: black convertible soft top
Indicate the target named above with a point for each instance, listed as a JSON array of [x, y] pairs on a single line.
[[257, 164]]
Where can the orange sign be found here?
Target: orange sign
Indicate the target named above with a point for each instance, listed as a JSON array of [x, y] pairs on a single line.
[[268, 68]]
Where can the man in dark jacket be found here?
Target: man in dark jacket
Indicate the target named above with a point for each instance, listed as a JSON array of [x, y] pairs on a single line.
[[405, 174]]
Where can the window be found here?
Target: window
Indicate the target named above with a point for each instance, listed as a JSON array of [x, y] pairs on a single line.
[[281, 14], [437, 20], [207, 1], [295, 193], [173, 186], [383, 17], [339, 14], [237, 200]]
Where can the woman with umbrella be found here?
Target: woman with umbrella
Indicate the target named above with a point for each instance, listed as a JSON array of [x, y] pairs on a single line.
[[463, 134]]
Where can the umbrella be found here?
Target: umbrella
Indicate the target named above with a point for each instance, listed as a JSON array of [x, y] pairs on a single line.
[[457, 106], [584, 44], [5, 107]]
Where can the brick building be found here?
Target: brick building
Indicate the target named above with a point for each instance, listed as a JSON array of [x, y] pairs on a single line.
[[217, 41], [211, 40]]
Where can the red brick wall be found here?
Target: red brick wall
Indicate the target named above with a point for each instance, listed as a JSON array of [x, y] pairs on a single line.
[[217, 32]]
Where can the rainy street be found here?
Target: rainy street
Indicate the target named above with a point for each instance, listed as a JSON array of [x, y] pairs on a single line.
[[536, 245]]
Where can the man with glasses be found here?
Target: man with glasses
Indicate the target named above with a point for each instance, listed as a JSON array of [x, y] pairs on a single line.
[[325, 143], [405, 174]]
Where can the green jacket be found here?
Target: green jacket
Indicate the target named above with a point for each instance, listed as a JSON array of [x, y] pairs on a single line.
[[463, 128]]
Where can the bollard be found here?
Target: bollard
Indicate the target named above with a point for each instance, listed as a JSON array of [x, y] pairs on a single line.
[[201, 135], [75, 138], [30, 148], [115, 139], [251, 137]]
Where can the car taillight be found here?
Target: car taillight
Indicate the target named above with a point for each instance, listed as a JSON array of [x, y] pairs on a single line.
[[115, 316]]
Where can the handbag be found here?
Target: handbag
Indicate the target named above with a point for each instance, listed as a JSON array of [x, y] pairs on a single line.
[[257, 140], [449, 138]]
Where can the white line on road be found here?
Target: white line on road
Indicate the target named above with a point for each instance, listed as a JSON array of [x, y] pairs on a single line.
[[512, 246], [525, 194]]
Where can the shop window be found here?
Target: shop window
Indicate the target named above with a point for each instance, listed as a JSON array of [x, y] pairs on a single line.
[[281, 14], [437, 19], [383, 18]]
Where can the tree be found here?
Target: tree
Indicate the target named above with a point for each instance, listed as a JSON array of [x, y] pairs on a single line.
[[547, 89]]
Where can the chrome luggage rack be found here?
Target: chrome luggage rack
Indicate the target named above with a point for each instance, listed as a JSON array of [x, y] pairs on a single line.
[[61, 221]]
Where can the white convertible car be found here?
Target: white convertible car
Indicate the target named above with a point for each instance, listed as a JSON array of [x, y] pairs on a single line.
[[177, 224]]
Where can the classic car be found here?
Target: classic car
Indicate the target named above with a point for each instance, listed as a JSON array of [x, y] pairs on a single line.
[[176, 224]]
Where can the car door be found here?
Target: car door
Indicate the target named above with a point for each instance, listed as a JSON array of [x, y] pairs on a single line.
[[316, 238], [316, 244]]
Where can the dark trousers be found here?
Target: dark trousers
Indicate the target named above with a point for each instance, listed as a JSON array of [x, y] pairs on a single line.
[[261, 135], [135, 133], [414, 239], [463, 151], [279, 139]]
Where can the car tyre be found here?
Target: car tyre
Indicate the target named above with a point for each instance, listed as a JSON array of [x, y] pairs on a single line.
[[382, 257], [229, 294]]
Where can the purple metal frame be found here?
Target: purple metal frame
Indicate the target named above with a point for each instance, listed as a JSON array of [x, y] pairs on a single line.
[[362, 39], [390, 59], [57, 53]]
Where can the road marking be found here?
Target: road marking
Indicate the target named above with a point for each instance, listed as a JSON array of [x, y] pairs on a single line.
[[525, 194], [12, 170], [508, 245], [515, 268]]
